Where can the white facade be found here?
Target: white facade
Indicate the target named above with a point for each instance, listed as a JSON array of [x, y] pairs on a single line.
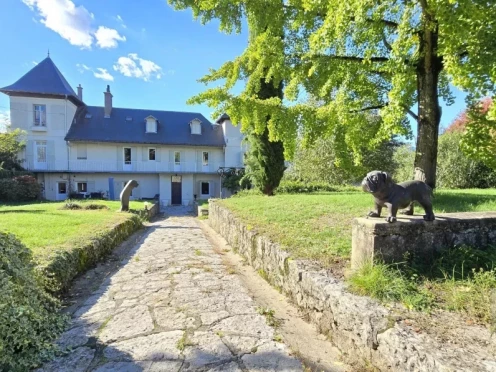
[[64, 167]]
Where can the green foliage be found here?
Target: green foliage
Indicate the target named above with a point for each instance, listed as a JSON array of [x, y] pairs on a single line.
[[403, 157], [20, 188], [264, 163], [456, 170], [299, 187], [29, 317], [355, 56], [10, 146], [479, 139], [320, 163], [233, 182]]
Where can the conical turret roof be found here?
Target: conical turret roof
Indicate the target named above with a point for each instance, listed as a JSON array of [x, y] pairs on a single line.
[[44, 79]]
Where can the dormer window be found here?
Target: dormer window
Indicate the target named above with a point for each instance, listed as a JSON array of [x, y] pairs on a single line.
[[195, 125], [151, 124]]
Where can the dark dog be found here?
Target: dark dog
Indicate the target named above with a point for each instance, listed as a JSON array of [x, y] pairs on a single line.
[[395, 196]]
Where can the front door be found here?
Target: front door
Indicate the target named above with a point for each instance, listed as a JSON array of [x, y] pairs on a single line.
[[128, 159], [61, 190], [40, 155], [176, 190]]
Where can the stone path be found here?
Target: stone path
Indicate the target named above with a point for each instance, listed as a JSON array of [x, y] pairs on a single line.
[[172, 306]]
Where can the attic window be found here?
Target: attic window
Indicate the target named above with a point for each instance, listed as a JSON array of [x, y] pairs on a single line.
[[151, 125], [195, 125], [87, 116], [129, 118]]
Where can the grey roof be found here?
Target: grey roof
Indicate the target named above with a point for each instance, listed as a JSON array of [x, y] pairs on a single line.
[[223, 117], [44, 78], [172, 129]]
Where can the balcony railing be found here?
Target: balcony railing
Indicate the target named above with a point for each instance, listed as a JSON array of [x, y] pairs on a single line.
[[114, 166]]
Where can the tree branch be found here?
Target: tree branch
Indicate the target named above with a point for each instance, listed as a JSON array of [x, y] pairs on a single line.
[[411, 113], [350, 58], [368, 108]]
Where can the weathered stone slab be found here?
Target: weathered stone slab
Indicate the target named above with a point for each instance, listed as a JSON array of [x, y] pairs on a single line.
[[159, 346], [374, 238], [77, 361]]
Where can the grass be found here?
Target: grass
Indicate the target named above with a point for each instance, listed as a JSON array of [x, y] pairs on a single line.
[[461, 279], [45, 228], [318, 225]]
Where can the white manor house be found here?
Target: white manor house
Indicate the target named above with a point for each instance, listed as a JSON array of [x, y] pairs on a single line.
[[72, 147]]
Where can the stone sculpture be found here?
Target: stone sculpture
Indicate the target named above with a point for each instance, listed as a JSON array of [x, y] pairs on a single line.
[[126, 193], [394, 196]]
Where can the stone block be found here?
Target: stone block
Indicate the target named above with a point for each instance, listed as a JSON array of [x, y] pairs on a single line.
[[374, 238]]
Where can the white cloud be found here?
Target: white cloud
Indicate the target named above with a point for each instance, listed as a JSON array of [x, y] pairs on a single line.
[[34, 63], [134, 66], [73, 23], [82, 67], [103, 74], [121, 21], [4, 121], [108, 37]]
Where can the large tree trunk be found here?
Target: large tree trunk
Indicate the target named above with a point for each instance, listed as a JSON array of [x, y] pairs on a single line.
[[429, 115]]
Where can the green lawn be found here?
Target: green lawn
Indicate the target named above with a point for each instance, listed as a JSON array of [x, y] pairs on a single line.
[[45, 228], [318, 226]]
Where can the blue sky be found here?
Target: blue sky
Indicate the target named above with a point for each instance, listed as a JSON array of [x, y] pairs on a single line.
[[150, 54]]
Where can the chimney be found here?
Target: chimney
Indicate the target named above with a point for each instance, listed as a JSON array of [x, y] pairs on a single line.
[[80, 92], [108, 103]]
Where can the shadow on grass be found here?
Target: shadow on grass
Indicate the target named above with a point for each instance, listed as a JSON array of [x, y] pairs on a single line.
[[23, 211], [460, 202]]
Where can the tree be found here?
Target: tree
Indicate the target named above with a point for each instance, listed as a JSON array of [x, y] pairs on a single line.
[[355, 56], [10, 146], [478, 126]]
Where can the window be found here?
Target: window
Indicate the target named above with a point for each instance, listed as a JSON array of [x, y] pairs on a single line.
[[127, 155], [205, 188], [205, 158], [62, 188], [40, 115], [82, 187], [177, 157], [195, 126], [151, 154], [81, 152], [151, 125]]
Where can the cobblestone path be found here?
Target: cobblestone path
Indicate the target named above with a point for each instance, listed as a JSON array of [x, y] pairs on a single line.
[[172, 306]]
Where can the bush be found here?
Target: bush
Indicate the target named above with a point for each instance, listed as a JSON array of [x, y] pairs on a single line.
[[29, 317], [21, 188], [72, 206], [297, 187], [95, 206], [454, 169]]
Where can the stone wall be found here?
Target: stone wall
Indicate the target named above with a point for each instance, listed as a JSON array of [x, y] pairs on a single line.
[[374, 238], [66, 265], [366, 332]]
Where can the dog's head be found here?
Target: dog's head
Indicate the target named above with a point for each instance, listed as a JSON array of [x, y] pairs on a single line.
[[376, 181]]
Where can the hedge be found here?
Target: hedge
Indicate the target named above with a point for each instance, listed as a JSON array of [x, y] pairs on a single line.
[[29, 316], [297, 187], [19, 188], [64, 266]]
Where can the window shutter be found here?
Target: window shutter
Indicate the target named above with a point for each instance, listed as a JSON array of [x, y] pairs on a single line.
[[30, 153], [51, 154], [158, 150], [82, 151], [91, 186], [120, 158], [144, 153]]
